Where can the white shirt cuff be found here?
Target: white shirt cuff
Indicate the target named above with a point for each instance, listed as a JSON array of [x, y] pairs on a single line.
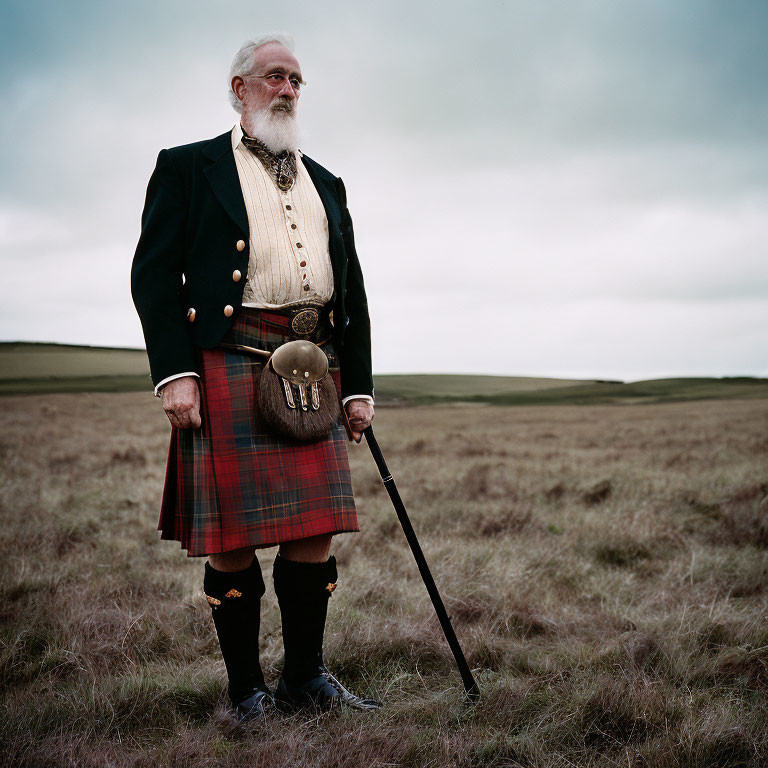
[[367, 398], [171, 378]]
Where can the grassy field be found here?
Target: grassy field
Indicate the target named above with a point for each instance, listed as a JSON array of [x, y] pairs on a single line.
[[606, 569]]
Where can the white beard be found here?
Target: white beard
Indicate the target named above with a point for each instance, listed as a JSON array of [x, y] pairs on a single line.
[[275, 127]]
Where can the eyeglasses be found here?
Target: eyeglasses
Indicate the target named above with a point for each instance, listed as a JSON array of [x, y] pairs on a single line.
[[276, 80]]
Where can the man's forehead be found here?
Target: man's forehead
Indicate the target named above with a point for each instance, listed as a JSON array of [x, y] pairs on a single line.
[[274, 56]]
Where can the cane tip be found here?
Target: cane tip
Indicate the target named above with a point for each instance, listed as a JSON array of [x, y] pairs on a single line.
[[473, 695]]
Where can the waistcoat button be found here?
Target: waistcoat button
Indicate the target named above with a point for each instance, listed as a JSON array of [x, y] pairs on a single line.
[[240, 245], [228, 310]]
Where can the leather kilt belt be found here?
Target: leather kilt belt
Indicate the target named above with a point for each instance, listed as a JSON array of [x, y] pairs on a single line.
[[233, 484]]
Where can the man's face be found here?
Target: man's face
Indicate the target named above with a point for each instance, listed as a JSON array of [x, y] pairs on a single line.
[[269, 86]]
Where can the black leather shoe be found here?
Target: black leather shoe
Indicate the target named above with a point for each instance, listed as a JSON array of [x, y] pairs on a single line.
[[317, 693], [254, 707], [323, 692]]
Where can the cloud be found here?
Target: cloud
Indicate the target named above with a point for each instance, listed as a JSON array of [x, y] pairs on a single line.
[[516, 165]]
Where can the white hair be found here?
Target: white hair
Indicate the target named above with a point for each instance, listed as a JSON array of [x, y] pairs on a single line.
[[243, 63]]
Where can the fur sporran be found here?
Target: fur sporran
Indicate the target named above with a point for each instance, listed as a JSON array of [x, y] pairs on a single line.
[[297, 396]]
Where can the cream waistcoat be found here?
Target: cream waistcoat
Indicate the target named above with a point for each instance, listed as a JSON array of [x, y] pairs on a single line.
[[289, 259]]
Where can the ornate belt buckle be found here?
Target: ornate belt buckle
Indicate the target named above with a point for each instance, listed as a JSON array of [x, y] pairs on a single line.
[[304, 322]]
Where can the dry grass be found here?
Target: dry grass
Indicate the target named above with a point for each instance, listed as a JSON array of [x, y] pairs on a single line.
[[606, 569]]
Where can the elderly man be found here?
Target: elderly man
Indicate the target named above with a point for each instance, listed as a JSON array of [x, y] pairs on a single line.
[[246, 244]]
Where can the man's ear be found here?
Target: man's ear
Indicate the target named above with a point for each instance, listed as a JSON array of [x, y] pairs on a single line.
[[238, 86]]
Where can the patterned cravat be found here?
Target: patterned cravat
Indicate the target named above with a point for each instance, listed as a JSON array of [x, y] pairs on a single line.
[[282, 167]]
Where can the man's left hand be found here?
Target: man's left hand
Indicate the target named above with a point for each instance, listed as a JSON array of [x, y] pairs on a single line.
[[360, 413]]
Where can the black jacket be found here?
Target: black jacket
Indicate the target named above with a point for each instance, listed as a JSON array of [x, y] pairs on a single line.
[[193, 217]]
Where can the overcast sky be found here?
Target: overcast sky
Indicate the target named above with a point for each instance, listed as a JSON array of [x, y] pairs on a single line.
[[572, 188]]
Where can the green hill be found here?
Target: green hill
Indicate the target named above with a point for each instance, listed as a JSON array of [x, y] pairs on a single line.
[[450, 386], [26, 360], [29, 368]]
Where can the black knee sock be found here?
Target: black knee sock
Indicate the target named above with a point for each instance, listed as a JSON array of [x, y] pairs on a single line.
[[302, 591], [235, 599]]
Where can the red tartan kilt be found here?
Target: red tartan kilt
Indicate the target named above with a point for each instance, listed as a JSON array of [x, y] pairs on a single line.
[[231, 484]]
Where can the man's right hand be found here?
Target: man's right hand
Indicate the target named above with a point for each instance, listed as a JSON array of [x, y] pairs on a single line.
[[181, 402]]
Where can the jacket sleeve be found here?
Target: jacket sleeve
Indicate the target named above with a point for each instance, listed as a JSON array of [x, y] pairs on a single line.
[[156, 274], [355, 353]]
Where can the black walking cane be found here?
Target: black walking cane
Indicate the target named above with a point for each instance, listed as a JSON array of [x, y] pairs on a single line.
[[470, 686]]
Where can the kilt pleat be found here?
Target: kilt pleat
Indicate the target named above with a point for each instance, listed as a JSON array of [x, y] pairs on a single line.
[[232, 484]]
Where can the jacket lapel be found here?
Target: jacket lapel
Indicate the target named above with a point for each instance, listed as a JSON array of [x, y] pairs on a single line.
[[222, 176], [325, 184]]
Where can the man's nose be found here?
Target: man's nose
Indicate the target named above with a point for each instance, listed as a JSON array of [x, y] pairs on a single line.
[[287, 90]]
